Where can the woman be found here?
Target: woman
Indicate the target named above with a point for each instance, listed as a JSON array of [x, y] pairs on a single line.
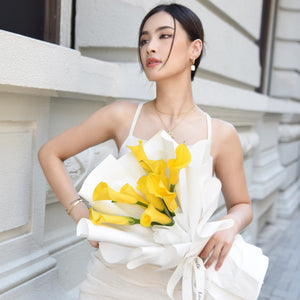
[[170, 48]]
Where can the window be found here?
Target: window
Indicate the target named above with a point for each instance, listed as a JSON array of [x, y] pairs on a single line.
[[39, 19]]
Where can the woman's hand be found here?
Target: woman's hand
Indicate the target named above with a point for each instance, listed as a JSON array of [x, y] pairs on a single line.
[[81, 211], [218, 247], [94, 244]]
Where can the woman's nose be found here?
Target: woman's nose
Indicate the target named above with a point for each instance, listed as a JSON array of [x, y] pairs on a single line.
[[151, 47]]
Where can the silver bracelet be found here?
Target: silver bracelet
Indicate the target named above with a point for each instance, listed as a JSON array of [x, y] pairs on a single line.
[[73, 204]]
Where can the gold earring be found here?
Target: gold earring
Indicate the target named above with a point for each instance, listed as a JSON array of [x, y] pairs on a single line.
[[193, 68]]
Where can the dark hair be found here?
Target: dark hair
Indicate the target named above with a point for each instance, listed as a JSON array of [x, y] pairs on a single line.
[[188, 20]]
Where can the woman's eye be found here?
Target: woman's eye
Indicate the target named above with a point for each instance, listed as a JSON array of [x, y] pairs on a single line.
[[165, 36], [143, 42]]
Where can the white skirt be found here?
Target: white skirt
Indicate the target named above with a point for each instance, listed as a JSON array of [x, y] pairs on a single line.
[[115, 282], [239, 278]]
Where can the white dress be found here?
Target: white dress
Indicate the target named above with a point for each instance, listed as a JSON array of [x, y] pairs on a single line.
[[115, 281]]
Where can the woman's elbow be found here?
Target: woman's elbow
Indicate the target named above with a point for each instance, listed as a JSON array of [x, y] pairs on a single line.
[[44, 153], [250, 213]]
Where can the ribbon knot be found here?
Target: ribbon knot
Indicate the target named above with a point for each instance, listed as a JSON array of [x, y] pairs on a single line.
[[199, 278], [192, 272]]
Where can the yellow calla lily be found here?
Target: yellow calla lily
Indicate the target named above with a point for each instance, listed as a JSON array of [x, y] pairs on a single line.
[[182, 160], [129, 190], [159, 167], [101, 192], [142, 187], [140, 155], [156, 187], [104, 192], [98, 218], [151, 214], [155, 166]]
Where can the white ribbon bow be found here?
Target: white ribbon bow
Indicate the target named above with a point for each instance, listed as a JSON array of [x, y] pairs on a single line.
[[192, 271]]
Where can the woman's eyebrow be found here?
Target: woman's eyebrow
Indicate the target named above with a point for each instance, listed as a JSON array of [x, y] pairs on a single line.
[[158, 29]]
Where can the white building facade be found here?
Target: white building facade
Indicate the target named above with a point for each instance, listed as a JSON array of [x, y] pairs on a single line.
[[47, 88]]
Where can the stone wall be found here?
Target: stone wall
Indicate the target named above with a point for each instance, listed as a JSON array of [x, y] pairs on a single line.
[[285, 83], [45, 89]]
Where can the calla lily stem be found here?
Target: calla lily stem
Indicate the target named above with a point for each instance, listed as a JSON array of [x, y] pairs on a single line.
[[168, 213], [142, 204]]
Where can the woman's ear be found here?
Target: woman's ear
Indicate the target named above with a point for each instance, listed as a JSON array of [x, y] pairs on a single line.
[[196, 48]]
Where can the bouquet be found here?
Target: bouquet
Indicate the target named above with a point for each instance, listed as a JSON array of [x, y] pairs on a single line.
[[156, 202]]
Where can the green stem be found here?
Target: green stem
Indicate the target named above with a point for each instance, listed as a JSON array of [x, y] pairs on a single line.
[[133, 221], [156, 223], [167, 212], [142, 204], [172, 188]]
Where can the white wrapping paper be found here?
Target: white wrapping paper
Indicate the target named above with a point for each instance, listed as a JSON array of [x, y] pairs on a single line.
[[175, 247]]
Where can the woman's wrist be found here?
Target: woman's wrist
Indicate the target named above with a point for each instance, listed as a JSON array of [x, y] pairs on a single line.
[[236, 223], [79, 211], [73, 204]]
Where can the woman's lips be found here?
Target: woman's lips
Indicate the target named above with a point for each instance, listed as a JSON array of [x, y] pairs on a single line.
[[152, 62]]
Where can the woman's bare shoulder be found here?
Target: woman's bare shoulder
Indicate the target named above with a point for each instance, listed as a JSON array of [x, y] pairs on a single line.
[[114, 115], [124, 104], [223, 129], [120, 108], [118, 116], [224, 137]]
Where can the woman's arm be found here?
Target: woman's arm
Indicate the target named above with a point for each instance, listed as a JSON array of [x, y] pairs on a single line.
[[229, 169], [110, 122]]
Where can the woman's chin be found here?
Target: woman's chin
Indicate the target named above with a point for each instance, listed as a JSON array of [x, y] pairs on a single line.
[[157, 77], [152, 76], [162, 76]]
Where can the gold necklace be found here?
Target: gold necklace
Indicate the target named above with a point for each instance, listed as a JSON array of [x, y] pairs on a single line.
[[165, 113], [170, 130]]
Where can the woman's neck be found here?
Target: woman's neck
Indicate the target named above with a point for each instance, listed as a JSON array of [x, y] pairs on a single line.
[[174, 96]]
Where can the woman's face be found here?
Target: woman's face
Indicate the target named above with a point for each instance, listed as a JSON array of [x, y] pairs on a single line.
[[155, 44]]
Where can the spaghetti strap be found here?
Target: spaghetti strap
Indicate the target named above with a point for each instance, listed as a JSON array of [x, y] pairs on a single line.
[[208, 120], [137, 113]]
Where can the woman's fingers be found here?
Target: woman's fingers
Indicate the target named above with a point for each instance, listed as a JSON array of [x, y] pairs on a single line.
[[207, 249], [94, 244], [214, 255], [217, 249], [222, 256]]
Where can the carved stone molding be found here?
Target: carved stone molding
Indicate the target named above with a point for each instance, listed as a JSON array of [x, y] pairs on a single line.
[[249, 141], [288, 200], [290, 118], [263, 212], [291, 174], [81, 164], [289, 132], [237, 117], [289, 152], [268, 174]]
